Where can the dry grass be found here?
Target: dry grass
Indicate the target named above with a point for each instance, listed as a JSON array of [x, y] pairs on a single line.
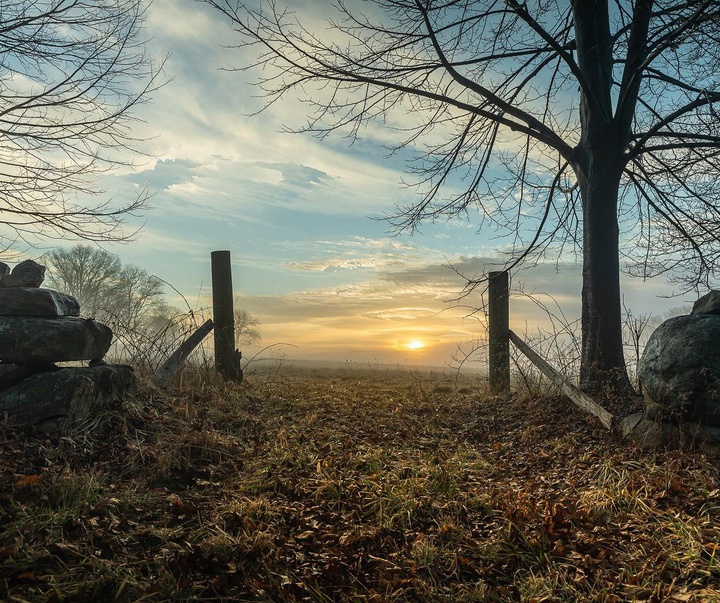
[[353, 486]]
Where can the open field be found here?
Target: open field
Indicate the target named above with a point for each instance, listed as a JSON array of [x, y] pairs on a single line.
[[378, 486]]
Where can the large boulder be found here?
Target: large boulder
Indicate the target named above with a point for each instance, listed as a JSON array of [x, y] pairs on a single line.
[[26, 274], [25, 339], [707, 304], [680, 370], [32, 301], [60, 400]]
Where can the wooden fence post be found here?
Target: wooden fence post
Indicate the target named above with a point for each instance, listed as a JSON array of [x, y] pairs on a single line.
[[499, 327], [173, 364], [227, 358]]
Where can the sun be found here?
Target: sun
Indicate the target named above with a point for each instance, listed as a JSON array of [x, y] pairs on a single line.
[[415, 344]]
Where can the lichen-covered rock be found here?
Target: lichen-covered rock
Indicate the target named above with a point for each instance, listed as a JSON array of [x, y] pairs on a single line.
[[32, 301], [680, 370], [26, 274], [63, 399], [28, 339]]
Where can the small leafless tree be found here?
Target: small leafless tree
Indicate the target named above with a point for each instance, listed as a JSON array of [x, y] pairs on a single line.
[[247, 330], [636, 327], [71, 73], [138, 298], [589, 124]]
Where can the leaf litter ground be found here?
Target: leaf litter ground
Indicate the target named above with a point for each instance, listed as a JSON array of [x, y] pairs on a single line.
[[379, 486]]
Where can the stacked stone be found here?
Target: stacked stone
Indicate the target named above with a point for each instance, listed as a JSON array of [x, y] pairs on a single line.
[[39, 327]]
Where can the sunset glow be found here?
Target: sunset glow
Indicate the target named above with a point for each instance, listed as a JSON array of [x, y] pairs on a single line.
[[415, 344]]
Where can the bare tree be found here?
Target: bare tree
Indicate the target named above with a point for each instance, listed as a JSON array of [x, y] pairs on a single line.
[[71, 72], [138, 297], [247, 329], [85, 272], [637, 327], [589, 124], [126, 297]]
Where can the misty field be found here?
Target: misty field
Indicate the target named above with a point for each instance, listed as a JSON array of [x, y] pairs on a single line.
[[353, 485]]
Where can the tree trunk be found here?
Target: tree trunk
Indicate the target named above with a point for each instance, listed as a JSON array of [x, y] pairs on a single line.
[[598, 165], [602, 368]]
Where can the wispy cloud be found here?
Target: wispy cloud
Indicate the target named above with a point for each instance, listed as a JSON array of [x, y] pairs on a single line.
[[166, 173]]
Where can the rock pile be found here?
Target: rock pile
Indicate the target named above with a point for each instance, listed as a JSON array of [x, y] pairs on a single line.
[[680, 374], [39, 327]]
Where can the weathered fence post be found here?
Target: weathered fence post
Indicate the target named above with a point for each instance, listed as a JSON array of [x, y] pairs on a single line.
[[227, 358], [499, 327], [173, 364], [576, 395]]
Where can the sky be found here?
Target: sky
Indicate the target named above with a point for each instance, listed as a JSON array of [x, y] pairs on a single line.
[[326, 279]]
